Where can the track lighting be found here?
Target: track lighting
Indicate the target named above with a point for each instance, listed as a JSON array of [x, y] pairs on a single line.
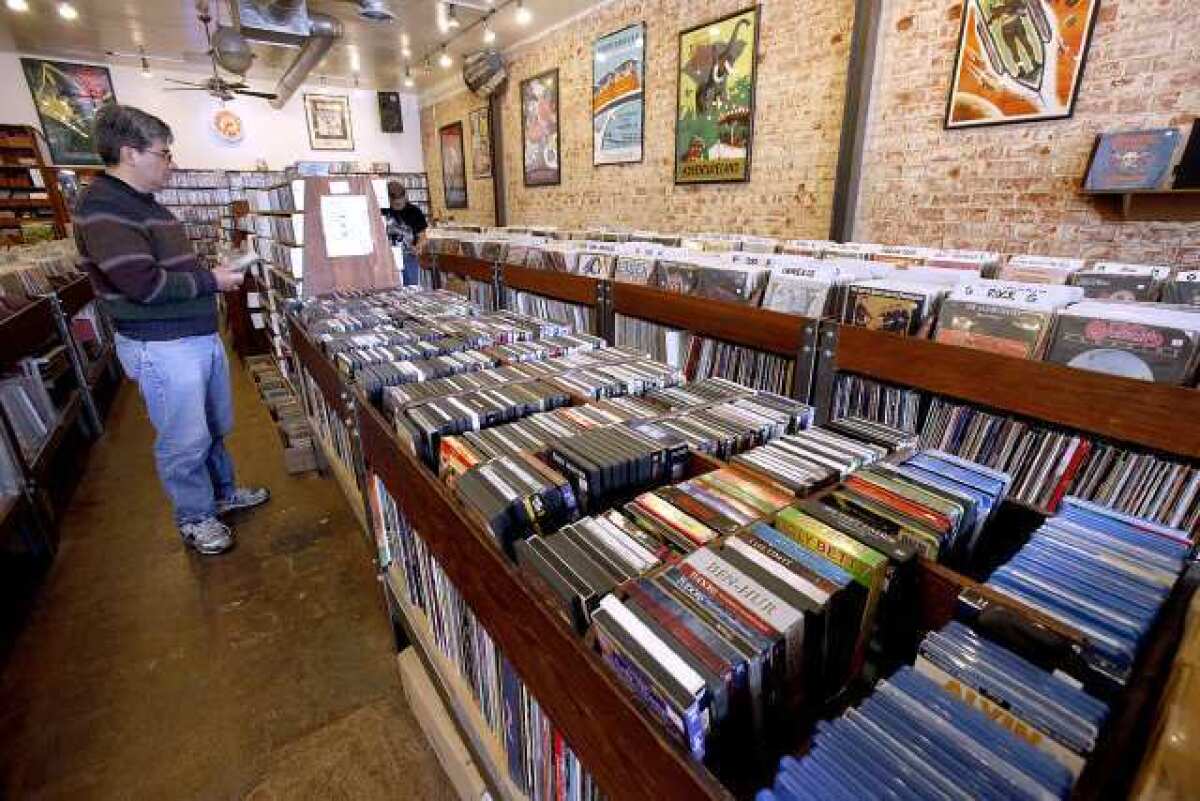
[[524, 15]]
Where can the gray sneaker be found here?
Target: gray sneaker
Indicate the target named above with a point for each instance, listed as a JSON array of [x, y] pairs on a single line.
[[243, 498], [208, 536]]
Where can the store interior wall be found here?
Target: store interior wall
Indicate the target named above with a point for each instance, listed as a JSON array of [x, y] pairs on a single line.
[[481, 202], [278, 136], [1010, 188]]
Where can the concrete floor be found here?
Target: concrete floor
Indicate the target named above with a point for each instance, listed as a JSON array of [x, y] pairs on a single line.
[[147, 672]]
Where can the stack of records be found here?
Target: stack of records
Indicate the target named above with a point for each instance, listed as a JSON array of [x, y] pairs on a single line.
[[942, 747], [1144, 341], [1045, 709], [1102, 573], [897, 407], [757, 369], [1183, 289], [934, 503], [896, 305], [30, 411], [11, 480], [903, 257], [1003, 317], [809, 460], [805, 247], [660, 343], [1142, 485], [705, 277], [852, 250], [987, 264], [584, 561], [814, 288], [517, 496], [1115, 281], [1040, 269], [422, 426], [1041, 462], [578, 317]]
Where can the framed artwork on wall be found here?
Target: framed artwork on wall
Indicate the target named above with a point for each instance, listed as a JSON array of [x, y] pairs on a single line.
[[481, 143], [618, 96], [714, 110], [67, 97], [329, 122], [391, 118], [1019, 61], [454, 165], [539, 129]]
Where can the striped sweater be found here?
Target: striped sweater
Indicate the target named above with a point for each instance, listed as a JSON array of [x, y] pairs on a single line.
[[142, 265]]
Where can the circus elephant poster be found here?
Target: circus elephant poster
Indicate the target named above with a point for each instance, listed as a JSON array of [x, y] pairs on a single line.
[[539, 129], [1019, 61], [714, 122]]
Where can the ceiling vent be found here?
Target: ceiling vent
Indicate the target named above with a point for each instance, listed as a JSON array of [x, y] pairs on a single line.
[[375, 11], [284, 22]]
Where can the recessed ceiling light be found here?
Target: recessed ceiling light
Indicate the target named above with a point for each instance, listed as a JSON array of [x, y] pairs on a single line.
[[489, 35], [17, 5], [408, 78], [444, 59], [67, 12], [524, 15], [451, 17], [355, 64]]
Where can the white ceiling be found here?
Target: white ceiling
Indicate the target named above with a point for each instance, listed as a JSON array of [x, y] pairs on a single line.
[[174, 40]]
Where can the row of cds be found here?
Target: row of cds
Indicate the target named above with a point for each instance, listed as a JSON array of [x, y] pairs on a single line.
[[580, 318], [540, 763], [1046, 464]]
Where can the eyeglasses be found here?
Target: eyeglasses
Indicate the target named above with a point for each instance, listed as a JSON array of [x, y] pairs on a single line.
[[165, 155]]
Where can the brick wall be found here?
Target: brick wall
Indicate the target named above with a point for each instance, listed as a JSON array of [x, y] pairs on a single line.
[[1015, 188], [803, 51], [480, 199]]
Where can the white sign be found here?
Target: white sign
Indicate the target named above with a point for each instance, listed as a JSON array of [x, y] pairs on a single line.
[[347, 223]]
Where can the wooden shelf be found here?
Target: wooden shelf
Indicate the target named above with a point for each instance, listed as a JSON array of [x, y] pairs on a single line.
[[1151, 205], [1140, 413], [453, 691], [75, 295], [751, 327], [100, 365], [629, 754], [566, 287], [40, 465], [26, 203], [27, 330]]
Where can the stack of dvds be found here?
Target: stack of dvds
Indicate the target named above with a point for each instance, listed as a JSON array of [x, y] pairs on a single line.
[[1045, 709], [540, 762], [728, 428], [911, 728], [397, 397], [668, 345], [482, 294], [808, 460], [753, 368], [374, 378], [897, 407], [1003, 317], [585, 560], [1109, 280], [932, 502], [1040, 269], [578, 317], [517, 496], [610, 380], [1145, 341], [1102, 573], [421, 426]]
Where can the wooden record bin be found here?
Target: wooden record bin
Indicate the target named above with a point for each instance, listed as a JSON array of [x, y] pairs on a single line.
[[616, 740]]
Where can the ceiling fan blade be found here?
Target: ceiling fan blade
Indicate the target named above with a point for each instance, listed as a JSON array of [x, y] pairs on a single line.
[[263, 95], [186, 89]]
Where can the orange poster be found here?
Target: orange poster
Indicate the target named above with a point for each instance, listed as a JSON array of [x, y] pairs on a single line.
[[1019, 60]]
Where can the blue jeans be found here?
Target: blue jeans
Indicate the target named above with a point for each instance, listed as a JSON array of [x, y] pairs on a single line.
[[412, 274], [185, 384]]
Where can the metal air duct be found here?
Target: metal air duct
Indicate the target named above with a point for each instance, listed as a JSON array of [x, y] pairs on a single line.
[[324, 30]]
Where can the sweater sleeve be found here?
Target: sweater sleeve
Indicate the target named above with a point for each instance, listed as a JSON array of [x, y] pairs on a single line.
[[122, 251]]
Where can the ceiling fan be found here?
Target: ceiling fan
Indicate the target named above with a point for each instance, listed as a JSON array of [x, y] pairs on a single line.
[[217, 86]]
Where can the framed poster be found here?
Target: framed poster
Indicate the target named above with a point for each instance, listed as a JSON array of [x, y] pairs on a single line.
[[714, 111], [329, 122], [67, 97], [391, 119], [539, 129], [618, 96], [1019, 61], [454, 166], [481, 143]]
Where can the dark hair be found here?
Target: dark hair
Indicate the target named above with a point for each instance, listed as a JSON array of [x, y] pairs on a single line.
[[125, 126], [392, 186]]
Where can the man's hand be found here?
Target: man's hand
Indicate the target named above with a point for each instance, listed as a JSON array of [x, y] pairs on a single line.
[[227, 279]]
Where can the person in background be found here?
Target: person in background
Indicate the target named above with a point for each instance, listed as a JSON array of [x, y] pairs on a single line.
[[163, 304], [406, 227]]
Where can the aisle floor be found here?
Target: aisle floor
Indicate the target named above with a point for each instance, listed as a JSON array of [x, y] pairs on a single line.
[[147, 672]]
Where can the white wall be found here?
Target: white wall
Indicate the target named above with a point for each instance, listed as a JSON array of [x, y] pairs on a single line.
[[280, 137]]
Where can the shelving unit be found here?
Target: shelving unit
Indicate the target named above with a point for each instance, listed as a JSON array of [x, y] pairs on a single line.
[[570, 681], [33, 198]]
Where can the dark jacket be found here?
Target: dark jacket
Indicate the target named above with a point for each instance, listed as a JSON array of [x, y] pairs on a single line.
[[142, 264]]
